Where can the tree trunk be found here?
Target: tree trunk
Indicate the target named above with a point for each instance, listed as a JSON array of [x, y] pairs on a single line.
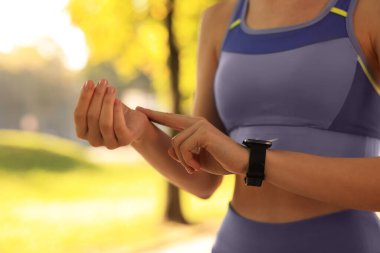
[[173, 205]]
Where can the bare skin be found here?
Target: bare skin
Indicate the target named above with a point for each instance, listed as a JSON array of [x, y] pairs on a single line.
[[270, 203], [281, 198]]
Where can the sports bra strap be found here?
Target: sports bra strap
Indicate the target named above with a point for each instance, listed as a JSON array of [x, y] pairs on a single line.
[[237, 12], [343, 5]]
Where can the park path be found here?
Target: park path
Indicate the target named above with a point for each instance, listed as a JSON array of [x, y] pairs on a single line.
[[176, 238], [198, 244]]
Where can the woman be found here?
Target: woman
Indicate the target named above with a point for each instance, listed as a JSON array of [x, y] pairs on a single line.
[[301, 73]]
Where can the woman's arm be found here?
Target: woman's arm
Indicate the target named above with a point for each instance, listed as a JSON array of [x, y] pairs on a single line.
[[102, 120], [154, 145], [95, 111], [347, 182], [367, 29], [374, 6], [214, 23]]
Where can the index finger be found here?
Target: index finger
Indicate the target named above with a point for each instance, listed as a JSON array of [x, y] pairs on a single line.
[[172, 120]]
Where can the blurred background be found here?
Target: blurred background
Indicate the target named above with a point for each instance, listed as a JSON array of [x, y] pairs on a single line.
[[58, 194]]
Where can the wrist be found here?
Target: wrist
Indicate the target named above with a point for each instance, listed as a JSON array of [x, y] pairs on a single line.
[[145, 134], [245, 158], [256, 165]]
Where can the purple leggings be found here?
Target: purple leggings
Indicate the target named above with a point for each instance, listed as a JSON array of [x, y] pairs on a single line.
[[347, 231]]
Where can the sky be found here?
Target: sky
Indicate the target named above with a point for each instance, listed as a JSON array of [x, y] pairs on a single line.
[[45, 25]]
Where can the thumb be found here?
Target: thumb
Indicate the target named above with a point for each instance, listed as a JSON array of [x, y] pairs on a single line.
[[139, 108], [125, 108]]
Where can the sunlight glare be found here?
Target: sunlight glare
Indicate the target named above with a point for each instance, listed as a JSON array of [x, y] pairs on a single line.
[[26, 23]]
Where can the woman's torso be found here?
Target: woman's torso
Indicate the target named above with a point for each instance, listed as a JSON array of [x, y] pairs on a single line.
[[270, 203]]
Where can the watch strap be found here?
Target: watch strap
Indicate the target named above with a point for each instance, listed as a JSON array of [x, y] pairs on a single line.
[[255, 174], [256, 164]]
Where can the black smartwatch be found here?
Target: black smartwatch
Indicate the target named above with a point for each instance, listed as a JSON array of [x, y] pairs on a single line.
[[255, 173]]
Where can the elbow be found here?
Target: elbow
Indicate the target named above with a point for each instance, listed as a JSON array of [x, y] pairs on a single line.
[[205, 195], [208, 191]]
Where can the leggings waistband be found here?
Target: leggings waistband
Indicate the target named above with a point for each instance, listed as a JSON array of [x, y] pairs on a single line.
[[349, 231]]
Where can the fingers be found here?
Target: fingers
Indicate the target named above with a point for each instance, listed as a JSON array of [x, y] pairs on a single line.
[[183, 152], [172, 120], [106, 119], [188, 155], [99, 116], [80, 113], [122, 133], [173, 155], [125, 108], [94, 135]]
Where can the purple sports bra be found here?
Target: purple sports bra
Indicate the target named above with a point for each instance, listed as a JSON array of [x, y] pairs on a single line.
[[307, 87]]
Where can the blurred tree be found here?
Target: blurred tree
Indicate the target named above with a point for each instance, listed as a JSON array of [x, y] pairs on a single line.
[[154, 37]]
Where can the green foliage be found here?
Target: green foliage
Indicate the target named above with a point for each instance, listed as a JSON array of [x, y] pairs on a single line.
[[186, 26], [132, 35], [125, 34]]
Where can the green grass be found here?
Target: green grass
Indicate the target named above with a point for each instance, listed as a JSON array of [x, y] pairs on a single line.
[[54, 200], [24, 159]]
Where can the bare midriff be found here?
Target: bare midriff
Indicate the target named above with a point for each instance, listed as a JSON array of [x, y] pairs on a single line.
[[269, 203]]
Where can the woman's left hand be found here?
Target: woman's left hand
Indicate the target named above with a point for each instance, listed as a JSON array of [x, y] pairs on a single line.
[[198, 135]]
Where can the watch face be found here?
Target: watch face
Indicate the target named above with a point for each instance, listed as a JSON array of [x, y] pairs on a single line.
[[255, 141]]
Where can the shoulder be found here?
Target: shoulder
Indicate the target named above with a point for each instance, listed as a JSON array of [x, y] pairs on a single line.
[[368, 13], [371, 10], [369, 7], [366, 22], [215, 20], [220, 10]]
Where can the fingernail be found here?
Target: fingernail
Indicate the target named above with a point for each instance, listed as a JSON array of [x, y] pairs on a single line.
[[84, 85], [103, 82], [89, 85], [174, 154], [117, 102], [174, 158], [193, 165]]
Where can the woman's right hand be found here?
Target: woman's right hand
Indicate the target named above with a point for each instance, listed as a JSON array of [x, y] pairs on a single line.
[[102, 120]]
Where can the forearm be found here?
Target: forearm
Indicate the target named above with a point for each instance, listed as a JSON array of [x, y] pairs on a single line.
[[153, 146], [347, 182]]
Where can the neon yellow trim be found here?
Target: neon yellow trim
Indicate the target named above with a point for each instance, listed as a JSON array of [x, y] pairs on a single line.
[[339, 11], [370, 78], [235, 24]]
